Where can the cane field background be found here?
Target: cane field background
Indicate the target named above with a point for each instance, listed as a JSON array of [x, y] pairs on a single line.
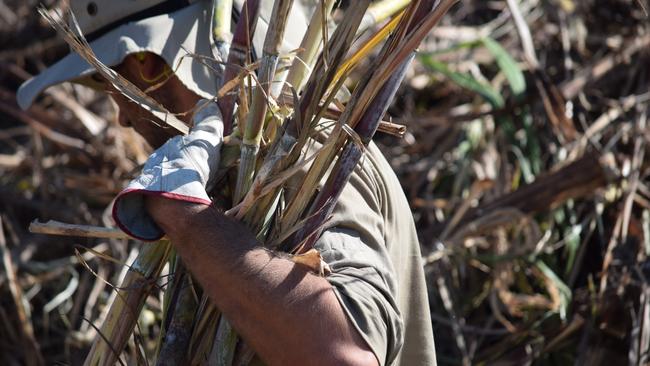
[[523, 161]]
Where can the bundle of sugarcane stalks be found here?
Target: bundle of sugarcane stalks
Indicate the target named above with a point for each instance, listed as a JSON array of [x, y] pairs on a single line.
[[272, 114]]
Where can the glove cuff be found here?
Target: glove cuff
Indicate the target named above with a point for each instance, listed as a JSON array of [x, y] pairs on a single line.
[[131, 216]]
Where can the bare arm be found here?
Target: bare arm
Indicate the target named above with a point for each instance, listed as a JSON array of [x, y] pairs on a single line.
[[287, 315]]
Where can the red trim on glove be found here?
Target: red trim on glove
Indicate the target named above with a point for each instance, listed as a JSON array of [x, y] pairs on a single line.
[[164, 194]]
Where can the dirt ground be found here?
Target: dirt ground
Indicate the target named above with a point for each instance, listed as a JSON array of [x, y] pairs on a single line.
[[524, 164]]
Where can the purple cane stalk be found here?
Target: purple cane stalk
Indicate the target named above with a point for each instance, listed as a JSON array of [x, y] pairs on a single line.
[[237, 58], [324, 204]]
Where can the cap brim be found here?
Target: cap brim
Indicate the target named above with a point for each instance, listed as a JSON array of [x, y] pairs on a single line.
[[172, 36]]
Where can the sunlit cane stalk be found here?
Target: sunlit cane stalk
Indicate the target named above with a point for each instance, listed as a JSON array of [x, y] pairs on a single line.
[[221, 27], [255, 119], [370, 45], [425, 17], [380, 11], [309, 47]]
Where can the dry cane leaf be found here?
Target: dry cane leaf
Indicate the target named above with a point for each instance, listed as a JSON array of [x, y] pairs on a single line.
[[554, 105], [313, 260]]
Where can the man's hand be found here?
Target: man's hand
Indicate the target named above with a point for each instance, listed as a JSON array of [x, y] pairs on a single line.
[[179, 170]]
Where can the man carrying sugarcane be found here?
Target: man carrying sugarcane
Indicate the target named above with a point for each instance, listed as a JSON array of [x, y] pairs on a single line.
[[371, 310]]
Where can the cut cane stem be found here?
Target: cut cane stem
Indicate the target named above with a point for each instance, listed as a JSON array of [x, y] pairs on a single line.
[[309, 47], [205, 325], [319, 82], [255, 119], [364, 51]]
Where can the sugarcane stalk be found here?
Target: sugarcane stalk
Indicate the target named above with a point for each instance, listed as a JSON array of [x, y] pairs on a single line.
[[221, 26], [225, 344], [205, 324], [260, 219], [255, 119], [380, 11], [326, 200], [425, 7], [318, 83], [221, 19], [327, 64], [325, 68], [364, 51], [238, 56], [181, 311], [123, 314], [295, 209], [309, 47], [415, 23], [173, 260]]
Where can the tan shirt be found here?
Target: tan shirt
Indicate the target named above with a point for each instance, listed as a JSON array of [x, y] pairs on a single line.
[[372, 248]]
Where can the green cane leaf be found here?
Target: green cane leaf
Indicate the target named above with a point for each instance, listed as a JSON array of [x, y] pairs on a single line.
[[508, 65], [491, 95]]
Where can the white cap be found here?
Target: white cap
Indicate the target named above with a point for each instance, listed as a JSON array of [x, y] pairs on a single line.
[[171, 29]]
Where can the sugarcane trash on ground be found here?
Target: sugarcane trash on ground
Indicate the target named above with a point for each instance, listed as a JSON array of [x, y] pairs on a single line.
[[522, 163]]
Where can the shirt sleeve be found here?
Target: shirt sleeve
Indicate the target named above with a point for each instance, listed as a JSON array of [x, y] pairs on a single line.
[[364, 283]]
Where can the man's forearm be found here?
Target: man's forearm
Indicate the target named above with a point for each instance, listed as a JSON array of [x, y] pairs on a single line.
[[288, 315]]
